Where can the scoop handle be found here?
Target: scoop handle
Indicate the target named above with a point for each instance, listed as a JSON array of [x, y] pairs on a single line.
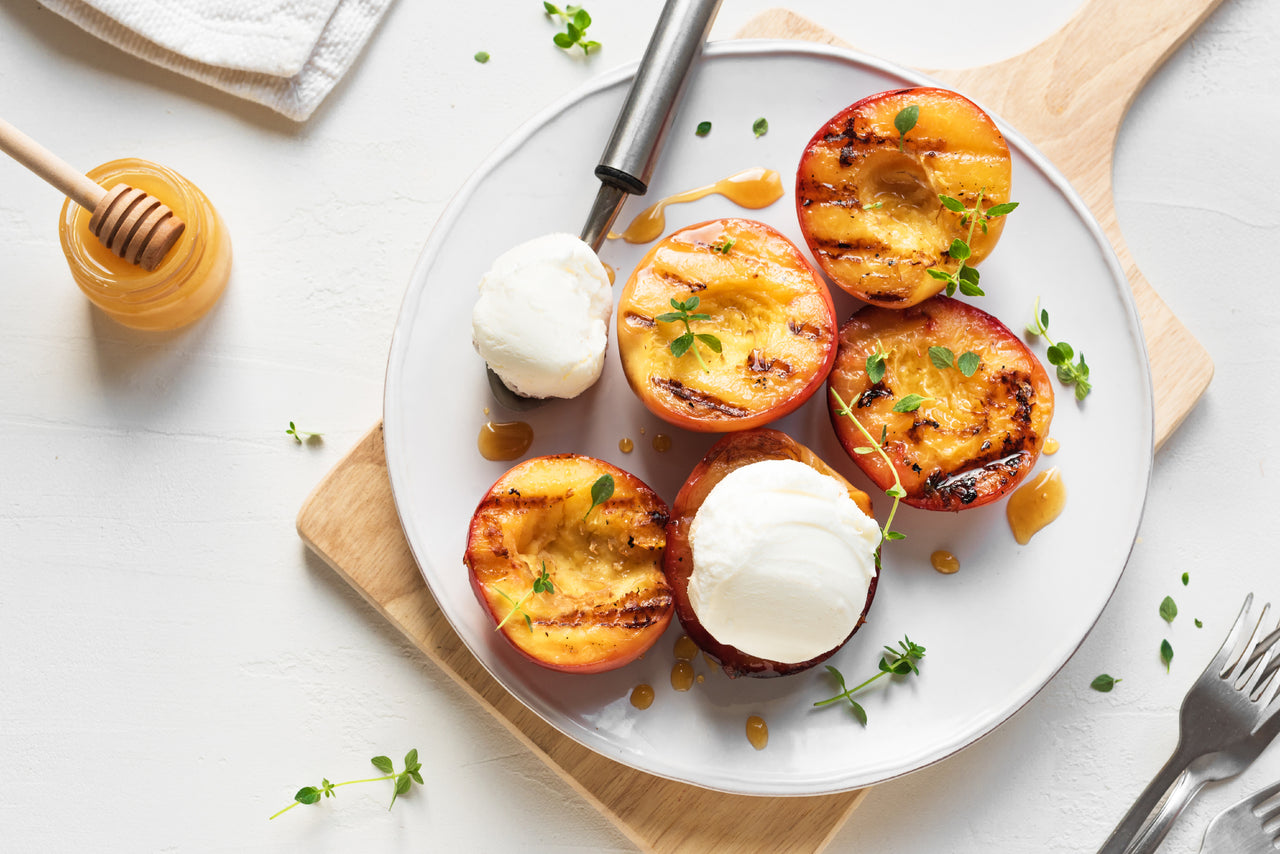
[[49, 166], [633, 146]]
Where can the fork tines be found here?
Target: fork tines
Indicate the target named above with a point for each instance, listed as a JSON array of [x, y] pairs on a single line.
[[1252, 671]]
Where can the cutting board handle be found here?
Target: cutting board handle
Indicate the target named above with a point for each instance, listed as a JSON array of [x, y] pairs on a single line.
[[1126, 40], [1069, 95]]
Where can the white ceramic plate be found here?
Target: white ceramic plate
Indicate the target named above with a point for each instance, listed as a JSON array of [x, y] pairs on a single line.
[[995, 632]]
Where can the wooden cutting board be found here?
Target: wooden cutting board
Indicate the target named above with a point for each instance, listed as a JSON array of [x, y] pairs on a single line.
[[1068, 96]]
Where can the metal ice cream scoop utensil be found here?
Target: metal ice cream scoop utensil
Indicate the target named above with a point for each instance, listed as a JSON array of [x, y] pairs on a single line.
[[632, 150]]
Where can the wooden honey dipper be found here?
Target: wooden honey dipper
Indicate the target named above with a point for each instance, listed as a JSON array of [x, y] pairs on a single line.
[[132, 224]]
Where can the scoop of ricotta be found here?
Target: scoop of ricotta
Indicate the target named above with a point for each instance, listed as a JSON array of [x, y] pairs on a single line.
[[782, 561], [542, 319]]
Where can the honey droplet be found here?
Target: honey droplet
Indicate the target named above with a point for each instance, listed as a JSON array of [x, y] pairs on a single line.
[[752, 188], [641, 431], [757, 732], [625, 445], [642, 696], [944, 561], [609, 271], [1051, 445], [1035, 504], [504, 440], [661, 443], [685, 648], [682, 676]]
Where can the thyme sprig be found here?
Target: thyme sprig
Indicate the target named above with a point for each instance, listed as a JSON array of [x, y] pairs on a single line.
[[1061, 354], [684, 312], [965, 278], [575, 20], [541, 584], [404, 781], [896, 492], [895, 662]]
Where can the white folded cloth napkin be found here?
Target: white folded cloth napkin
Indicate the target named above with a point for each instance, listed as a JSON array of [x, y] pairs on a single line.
[[286, 54]]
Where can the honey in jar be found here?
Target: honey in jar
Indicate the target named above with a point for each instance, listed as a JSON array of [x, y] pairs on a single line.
[[186, 283]]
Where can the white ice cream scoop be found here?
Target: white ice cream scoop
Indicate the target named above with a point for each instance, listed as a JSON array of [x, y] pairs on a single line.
[[632, 149]]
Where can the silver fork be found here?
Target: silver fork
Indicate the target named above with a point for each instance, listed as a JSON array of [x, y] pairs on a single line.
[[1228, 717], [1241, 828]]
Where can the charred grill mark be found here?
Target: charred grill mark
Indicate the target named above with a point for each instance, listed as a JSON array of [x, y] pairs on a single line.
[[638, 319], [695, 398], [757, 362], [879, 391], [844, 247], [636, 610], [830, 195], [679, 283], [807, 330], [884, 298], [965, 487], [510, 503]]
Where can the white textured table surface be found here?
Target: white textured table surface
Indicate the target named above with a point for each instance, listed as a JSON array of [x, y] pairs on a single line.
[[173, 663]]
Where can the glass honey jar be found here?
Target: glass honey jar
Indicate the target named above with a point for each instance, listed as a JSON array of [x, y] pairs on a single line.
[[186, 283]]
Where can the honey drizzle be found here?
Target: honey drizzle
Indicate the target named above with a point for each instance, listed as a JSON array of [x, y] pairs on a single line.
[[682, 676], [504, 440], [1035, 504], [757, 732], [752, 188], [642, 696], [944, 561]]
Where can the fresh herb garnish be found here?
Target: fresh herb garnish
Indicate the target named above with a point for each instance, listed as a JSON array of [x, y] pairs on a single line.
[[1199, 625], [1168, 609], [910, 403], [896, 492], [892, 661], [904, 121], [965, 278], [301, 436], [703, 129], [601, 491], [1166, 654], [575, 20], [875, 364], [541, 584], [874, 206], [943, 358], [760, 127], [723, 246], [688, 341], [482, 56], [404, 780], [1104, 683], [1060, 354], [1186, 579]]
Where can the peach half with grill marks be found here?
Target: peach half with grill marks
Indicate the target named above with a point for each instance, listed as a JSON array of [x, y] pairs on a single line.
[[574, 584], [981, 422], [869, 196], [760, 332]]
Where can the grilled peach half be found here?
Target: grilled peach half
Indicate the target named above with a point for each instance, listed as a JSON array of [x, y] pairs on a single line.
[[769, 313], [608, 600], [973, 438], [869, 197], [730, 453]]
